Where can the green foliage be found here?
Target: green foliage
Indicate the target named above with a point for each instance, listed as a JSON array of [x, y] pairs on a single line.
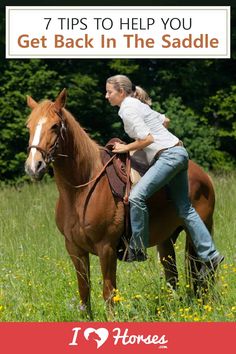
[[202, 114], [124, 66], [198, 137], [222, 107], [84, 100], [19, 79]]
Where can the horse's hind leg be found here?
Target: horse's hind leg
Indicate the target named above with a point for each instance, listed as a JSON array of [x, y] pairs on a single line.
[[80, 259], [168, 259], [193, 264]]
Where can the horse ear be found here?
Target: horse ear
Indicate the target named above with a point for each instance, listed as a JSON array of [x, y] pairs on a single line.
[[60, 100], [31, 102]]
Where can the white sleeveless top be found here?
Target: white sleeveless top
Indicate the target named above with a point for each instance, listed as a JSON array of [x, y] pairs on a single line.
[[140, 120]]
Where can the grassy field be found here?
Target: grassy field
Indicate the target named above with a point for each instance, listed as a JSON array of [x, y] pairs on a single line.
[[38, 280]]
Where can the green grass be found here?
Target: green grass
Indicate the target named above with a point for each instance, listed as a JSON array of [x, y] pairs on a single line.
[[38, 281]]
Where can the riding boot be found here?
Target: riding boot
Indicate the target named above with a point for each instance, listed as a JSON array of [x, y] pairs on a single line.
[[209, 268]]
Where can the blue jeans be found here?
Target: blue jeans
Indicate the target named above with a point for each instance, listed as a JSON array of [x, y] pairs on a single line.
[[170, 168]]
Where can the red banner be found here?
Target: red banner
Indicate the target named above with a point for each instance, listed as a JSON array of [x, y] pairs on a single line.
[[94, 337]]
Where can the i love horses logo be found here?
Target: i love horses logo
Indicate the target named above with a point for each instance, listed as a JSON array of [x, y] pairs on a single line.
[[116, 336], [100, 333]]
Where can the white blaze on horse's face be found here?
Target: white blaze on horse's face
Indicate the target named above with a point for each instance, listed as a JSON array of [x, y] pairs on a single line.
[[36, 141]]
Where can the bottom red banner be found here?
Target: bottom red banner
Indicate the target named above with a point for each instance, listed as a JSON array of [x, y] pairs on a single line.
[[114, 337]]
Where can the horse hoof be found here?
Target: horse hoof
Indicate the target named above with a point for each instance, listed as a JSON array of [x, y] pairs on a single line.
[[82, 307], [172, 291]]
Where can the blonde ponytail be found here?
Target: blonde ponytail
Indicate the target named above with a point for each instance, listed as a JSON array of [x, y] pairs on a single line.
[[142, 95], [123, 82]]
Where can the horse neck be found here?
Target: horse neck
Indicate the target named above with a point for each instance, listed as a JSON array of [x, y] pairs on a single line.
[[82, 155]]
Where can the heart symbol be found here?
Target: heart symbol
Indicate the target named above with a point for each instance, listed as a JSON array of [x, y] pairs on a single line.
[[102, 333]]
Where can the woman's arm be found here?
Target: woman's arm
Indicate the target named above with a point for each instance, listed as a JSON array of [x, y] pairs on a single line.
[[135, 145]]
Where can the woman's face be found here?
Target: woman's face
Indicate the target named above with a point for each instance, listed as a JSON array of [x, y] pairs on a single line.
[[114, 97]]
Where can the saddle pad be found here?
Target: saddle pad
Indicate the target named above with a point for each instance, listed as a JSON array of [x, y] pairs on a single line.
[[139, 165], [134, 177]]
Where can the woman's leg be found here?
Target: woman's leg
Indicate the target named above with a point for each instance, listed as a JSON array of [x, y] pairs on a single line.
[[201, 238], [158, 175]]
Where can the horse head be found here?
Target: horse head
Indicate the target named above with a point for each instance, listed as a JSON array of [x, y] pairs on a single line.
[[46, 127]]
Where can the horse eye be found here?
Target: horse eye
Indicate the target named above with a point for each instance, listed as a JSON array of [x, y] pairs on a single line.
[[55, 127]]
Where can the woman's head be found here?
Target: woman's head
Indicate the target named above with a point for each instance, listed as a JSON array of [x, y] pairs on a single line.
[[120, 86], [117, 88]]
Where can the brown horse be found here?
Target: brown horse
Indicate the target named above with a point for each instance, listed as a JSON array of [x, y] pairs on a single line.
[[91, 218]]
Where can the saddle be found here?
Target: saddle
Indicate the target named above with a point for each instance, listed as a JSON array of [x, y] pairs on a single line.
[[126, 169], [124, 172], [117, 171]]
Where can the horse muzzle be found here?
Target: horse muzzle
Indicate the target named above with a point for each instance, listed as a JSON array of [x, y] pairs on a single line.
[[36, 169]]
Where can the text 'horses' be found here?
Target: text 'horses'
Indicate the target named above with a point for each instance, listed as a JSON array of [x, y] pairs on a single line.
[[91, 218]]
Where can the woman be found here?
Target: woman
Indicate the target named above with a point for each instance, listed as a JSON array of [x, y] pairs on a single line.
[[168, 161]]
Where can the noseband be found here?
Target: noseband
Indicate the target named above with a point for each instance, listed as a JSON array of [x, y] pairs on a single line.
[[49, 156]]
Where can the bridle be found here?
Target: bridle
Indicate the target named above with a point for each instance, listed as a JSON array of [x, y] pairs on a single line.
[[49, 156]]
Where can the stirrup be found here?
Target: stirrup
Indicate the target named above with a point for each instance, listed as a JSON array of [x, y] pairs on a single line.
[[138, 255]]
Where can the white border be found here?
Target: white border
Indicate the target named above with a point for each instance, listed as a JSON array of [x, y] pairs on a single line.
[[103, 8]]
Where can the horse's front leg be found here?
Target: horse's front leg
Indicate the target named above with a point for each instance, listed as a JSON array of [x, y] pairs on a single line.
[[80, 259], [108, 261]]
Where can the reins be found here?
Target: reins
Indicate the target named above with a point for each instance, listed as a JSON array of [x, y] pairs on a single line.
[[128, 169], [98, 175]]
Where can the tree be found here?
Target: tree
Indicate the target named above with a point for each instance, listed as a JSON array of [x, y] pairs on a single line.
[[197, 136], [201, 114], [222, 110], [19, 79]]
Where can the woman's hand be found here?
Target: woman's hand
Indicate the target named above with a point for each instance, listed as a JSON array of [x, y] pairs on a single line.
[[166, 122], [135, 145], [120, 148]]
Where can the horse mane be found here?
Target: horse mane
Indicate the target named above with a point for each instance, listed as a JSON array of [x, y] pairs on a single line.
[[82, 142], [86, 149]]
